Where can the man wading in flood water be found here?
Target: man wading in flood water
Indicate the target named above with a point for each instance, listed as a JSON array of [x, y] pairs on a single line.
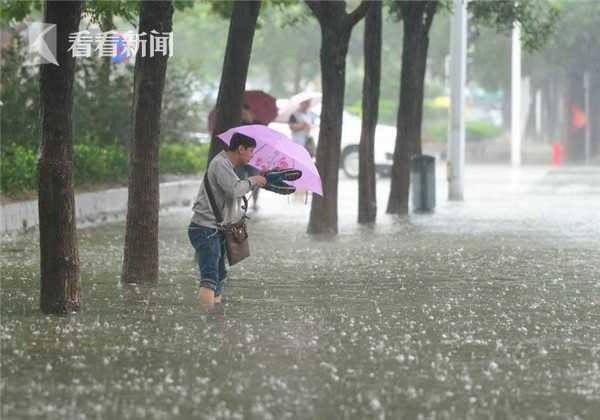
[[206, 237]]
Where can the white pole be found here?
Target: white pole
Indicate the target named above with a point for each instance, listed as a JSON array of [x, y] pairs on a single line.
[[458, 72], [588, 114], [515, 123]]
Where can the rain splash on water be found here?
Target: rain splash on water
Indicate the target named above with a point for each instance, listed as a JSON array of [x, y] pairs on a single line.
[[487, 308]]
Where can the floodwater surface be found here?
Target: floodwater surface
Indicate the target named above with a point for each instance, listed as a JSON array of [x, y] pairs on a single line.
[[487, 308]]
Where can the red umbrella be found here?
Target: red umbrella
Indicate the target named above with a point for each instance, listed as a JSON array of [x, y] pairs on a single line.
[[260, 103]]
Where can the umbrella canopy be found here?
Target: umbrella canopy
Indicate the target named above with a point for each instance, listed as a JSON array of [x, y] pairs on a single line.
[[276, 150], [261, 104], [288, 106]]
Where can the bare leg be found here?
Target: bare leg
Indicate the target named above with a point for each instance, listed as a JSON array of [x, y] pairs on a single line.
[[206, 296]]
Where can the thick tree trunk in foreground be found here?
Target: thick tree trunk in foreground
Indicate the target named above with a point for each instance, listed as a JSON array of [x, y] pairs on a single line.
[[417, 19], [140, 263], [336, 27], [323, 214], [235, 70], [59, 255], [367, 200]]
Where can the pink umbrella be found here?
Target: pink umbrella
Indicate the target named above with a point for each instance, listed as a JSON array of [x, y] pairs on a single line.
[[276, 150]]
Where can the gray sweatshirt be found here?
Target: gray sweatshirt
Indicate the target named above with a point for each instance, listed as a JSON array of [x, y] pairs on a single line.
[[227, 190]]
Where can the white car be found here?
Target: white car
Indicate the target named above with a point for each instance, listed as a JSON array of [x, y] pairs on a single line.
[[385, 140]]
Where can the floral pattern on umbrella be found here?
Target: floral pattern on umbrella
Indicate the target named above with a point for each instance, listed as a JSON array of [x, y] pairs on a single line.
[[276, 150]]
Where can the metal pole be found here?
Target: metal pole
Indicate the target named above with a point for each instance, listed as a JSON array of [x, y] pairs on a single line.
[[515, 125], [588, 114], [458, 71]]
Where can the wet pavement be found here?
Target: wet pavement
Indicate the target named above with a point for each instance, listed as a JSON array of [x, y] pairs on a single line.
[[487, 308]]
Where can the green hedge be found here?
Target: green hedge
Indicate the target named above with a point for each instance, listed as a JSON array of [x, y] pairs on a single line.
[[183, 158], [95, 164], [437, 131], [18, 171], [481, 130]]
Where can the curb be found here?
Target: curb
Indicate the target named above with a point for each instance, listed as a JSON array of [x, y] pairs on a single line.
[[93, 207]]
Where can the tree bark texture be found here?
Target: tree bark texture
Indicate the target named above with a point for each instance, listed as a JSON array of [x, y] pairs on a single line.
[[104, 133], [140, 264], [235, 70], [367, 197], [59, 255], [336, 27], [417, 19]]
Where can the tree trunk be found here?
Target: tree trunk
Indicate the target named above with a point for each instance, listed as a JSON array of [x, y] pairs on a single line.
[[298, 75], [235, 70], [59, 255], [323, 212], [336, 27], [276, 79], [367, 200], [417, 19], [140, 264], [104, 89]]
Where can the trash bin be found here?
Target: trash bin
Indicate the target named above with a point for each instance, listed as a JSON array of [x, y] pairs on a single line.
[[423, 183]]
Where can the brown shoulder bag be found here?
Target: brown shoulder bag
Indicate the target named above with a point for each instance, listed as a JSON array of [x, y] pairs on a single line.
[[236, 234]]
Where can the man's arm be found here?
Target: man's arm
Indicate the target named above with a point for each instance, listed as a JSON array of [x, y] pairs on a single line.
[[295, 125], [229, 182]]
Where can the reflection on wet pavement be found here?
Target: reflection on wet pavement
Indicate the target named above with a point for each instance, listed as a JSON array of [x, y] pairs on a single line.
[[487, 308]]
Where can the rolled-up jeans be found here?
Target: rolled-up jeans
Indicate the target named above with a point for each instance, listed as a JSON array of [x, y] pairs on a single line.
[[209, 244]]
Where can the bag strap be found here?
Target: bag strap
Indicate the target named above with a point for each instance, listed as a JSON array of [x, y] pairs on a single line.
[[211, 198], [213, 203]]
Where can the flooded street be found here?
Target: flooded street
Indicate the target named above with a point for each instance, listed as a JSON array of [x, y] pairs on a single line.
[[487, 308]]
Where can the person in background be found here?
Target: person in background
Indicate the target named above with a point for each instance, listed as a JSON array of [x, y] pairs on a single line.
[[301, 122]]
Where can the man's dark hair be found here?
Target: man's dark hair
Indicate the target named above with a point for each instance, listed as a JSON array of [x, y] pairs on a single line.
[[239, 139]]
